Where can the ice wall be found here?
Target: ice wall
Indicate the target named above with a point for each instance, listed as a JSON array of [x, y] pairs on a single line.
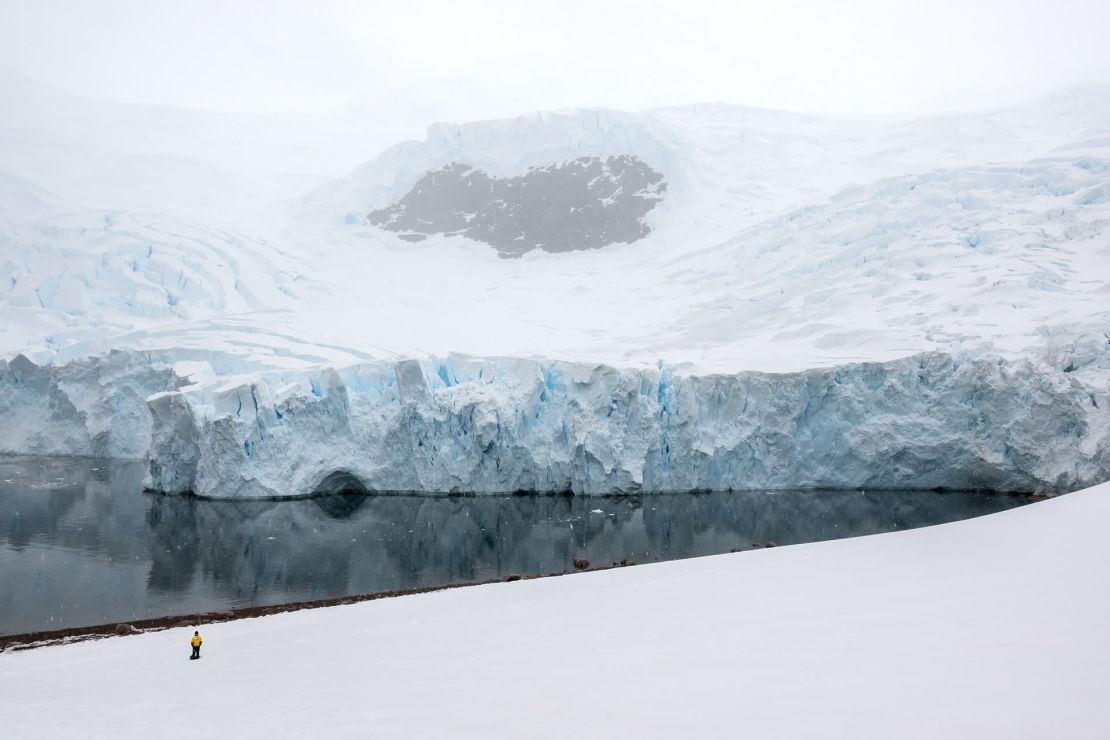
[[95, 406], [497, 425]]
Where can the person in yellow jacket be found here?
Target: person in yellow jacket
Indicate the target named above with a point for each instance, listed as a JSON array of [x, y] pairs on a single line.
[[195, 642]]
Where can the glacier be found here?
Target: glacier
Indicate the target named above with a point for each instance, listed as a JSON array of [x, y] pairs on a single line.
[[498, 425], [94, 407], [815, 303]]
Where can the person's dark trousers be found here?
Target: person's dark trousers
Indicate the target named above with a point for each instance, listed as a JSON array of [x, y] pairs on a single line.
[[196, 651]]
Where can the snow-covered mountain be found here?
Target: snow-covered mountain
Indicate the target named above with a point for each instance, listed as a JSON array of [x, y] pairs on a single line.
[[805, 302]]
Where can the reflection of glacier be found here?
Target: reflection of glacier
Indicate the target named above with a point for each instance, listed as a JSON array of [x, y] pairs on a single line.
[[102, 551]]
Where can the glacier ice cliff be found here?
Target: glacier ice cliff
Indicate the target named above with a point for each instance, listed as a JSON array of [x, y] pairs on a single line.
[[463, 424], [495, 425], [95, 406]]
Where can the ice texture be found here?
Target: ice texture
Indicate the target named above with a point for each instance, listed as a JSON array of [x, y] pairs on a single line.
[[472, 425], [95, 406]]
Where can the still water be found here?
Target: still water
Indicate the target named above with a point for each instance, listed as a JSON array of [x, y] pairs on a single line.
[[82, 544]]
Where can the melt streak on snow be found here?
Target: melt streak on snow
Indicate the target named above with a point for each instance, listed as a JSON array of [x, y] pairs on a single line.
[[943, 280], [929, 633]]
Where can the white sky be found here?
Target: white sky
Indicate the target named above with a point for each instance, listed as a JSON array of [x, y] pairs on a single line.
[[457, 61]]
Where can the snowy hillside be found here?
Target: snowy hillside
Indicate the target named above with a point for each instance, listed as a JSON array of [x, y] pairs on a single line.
[[834, 255], [94, 273], [988, 628]]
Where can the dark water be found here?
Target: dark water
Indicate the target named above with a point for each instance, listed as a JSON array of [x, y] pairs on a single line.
[[81, 544]]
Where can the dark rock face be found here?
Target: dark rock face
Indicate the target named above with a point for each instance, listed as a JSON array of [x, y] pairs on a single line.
[[586, 203]]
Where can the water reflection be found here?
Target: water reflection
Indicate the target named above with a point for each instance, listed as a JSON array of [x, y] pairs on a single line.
[[81, 544]]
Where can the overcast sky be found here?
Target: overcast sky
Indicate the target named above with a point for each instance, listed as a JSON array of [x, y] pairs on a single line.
[[467, 60]]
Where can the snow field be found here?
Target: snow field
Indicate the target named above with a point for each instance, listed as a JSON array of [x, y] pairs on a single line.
[[785, 242]]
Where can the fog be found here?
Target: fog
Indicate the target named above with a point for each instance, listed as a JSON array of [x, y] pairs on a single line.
[[415, 62]]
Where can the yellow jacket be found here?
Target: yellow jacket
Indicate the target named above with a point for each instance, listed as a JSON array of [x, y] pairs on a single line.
[[196, 641]]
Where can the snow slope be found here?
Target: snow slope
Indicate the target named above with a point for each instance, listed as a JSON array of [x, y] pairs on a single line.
[[784, 243], [989, 628], [70, 276]]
